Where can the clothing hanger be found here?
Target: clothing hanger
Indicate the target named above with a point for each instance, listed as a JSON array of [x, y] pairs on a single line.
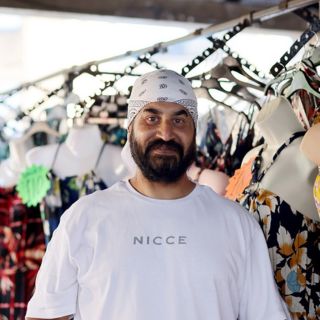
[[114, 104], [217, 43], [295, 78], [215, 84], [243, 92], [274, 84], [224, 71], [233, 62], [203, 92], [299, 82], [234, 65], [39, 126]]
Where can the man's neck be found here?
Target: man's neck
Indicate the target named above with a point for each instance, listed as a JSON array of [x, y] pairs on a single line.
[[161, 190]]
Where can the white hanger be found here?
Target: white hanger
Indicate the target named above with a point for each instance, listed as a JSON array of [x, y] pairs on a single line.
[[299, 82], [234, 65], [203, 92], [315, 56], [40, 126], [224, 71]]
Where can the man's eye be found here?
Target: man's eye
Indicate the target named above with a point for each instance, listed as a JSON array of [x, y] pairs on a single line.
[[152, 119], [178, 121]]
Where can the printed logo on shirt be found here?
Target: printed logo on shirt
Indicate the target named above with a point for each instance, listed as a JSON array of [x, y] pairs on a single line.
[[158, 240]]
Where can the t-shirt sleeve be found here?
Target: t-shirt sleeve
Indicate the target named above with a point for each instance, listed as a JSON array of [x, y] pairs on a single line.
[[260, 298], [56, 284]]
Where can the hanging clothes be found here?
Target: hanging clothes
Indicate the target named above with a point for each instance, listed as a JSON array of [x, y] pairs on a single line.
[[22, 247], [225, 156], [239, 181], [113, 134], [64, 192], [304, 103], [306, 107], [293, 241]]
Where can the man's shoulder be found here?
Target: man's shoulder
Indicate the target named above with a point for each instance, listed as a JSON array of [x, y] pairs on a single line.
[[227, 209], [102, 197], [95, 204]]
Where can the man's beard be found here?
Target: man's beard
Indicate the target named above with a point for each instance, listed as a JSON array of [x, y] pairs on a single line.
[[166, 168]]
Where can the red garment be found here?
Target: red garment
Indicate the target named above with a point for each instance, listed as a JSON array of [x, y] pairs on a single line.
[[21, 250]]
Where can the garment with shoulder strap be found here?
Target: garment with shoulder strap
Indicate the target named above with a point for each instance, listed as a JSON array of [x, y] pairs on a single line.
[[293, 241], [64, 192]]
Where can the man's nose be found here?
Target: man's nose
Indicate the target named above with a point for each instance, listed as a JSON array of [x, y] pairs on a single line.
[[165, 130]]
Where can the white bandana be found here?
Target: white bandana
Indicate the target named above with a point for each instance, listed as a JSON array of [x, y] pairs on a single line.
[[162, 85]]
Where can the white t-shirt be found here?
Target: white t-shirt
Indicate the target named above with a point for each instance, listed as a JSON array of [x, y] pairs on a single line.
[[119, 255]]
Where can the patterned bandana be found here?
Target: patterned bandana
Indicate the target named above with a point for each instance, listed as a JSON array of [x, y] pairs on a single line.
[[162, 85]]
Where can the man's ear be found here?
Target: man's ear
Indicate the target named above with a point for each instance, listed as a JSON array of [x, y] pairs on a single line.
[[129, 129]]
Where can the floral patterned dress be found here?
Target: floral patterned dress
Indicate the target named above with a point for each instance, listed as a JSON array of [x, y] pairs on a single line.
[[21, 250], [293, 241]]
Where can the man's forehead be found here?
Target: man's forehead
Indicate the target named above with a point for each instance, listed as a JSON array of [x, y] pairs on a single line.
[[164, 107]]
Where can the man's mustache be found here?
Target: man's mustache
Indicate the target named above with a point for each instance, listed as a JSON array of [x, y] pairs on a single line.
[[168, 144]]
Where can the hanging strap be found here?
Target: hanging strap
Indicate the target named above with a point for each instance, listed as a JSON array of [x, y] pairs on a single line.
[[55, 156], [257, 163], [99, 156]]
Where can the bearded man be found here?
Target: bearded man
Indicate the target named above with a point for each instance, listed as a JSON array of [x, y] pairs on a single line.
[[157, 246]]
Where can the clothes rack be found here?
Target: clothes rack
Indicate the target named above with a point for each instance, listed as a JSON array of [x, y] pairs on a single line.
[[258, 16]]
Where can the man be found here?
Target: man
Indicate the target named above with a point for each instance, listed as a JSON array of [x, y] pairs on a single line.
[[157, 246]]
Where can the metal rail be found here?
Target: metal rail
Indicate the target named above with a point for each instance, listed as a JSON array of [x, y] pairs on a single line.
[[258, 16]]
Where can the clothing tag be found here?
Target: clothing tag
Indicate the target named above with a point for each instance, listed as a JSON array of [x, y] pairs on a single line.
[[33, 185]]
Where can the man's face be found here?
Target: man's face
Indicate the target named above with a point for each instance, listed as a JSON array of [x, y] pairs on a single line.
[[162, 141]]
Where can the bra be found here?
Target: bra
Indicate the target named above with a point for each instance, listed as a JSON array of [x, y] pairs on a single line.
[[256, 177], [219, 154]]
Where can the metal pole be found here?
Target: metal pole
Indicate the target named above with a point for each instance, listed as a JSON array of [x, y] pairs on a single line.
[[261, 15]]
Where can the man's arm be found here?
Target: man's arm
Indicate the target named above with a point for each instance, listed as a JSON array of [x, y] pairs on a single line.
[[260, 297], [56, 288]]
